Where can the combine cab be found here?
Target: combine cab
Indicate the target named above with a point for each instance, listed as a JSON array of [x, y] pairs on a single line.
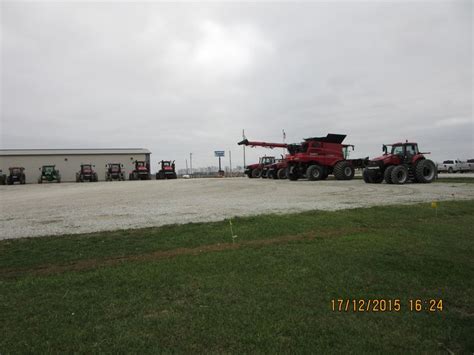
[[260, 169], [17, 174], [86, 173], [114, 172], [404, 163], [49, 173], [167, 171], [141, 171], [316, 158]]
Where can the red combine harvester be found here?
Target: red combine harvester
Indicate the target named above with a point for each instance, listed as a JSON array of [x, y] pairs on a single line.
[[260, 169], [404, 163], [316, 158], [141, 171]]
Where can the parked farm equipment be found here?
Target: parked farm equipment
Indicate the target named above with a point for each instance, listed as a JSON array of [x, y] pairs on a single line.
[[315, 158], [167, 170], [114, 172], [259, 169], [404, 163], [17, 174], [277, 170], [3, 178], [86, 173], [141, 171], [49, 173]]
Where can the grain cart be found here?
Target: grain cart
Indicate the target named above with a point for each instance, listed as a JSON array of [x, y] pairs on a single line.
[[404, 163], [3, 178], [141, 171], [259, 169], [167, 171], [114, 172], [17, 174], [86, 173], [316, 158], [49, 173]]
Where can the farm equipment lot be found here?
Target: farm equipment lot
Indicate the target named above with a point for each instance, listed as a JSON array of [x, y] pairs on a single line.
[[81, 208]]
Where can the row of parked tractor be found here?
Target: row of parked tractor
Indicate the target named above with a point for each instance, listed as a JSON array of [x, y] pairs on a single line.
[[114, 171], [318, 157]]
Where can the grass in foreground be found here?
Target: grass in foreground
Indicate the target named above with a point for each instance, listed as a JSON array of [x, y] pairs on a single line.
[[189, 289]]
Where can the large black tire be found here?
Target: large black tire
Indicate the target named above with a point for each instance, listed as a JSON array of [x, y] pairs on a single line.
[[292, 173], [450, 170], [425, 171], [281, 174], [344, 170], [387, 175], [314, 172], [256, 173], [9, 181], [40, 181], [399, 175]]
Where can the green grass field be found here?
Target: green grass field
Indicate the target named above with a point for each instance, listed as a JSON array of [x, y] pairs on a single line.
[[188, 288]]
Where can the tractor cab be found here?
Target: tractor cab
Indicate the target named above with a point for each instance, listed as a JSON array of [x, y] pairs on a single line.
[[267, 160], [86, 168], [400, 152]]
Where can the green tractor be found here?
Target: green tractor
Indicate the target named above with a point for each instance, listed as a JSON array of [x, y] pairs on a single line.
[[49, 173]]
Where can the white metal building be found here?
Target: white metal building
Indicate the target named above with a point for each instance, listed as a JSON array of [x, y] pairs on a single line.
[[69, 161]]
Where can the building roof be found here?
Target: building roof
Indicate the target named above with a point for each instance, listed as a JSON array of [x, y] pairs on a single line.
[[20, 152]]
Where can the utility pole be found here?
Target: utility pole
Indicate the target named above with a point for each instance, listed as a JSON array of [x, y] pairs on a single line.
[[191, 163], [187, 171], [243, 137], [230, 163]]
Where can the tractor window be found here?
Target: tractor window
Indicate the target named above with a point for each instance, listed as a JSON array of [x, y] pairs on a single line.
[[166, 163], [412, 149], [397, 150]]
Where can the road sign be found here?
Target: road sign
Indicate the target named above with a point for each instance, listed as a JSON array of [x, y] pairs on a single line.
[[219, 153]]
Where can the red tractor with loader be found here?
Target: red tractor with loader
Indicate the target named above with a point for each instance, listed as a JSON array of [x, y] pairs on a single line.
[[86, 173], [167, 171], [141, 171], [316, 158], [404, 163], [259, 169]]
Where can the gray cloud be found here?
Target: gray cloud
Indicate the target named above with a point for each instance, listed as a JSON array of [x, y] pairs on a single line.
[[187, 77]]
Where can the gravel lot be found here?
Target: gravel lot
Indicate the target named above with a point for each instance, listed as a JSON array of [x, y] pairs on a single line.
[[52, 209]]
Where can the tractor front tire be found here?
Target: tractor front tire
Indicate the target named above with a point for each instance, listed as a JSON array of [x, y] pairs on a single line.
[[387, 175], [425, 171], [256, 173], [344, 170], [281, 174], [399, 175], [314, 172]]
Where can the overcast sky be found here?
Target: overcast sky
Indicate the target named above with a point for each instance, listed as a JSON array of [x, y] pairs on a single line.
[[188, 77]]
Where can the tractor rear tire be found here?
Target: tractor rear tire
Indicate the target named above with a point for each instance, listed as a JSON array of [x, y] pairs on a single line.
[[425, 171], [399, 175], [281, 174], [314, 172], [387, 175], [256, 173], [40, 181], [344, 170]]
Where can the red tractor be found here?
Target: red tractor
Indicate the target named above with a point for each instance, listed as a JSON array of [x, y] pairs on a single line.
[[404, 163], [167, 171], [316, 158], [141, 171], [86, 173], [260, 169], [278, 169]]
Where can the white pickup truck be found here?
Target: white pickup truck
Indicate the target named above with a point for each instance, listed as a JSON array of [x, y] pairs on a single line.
[[455, 166]]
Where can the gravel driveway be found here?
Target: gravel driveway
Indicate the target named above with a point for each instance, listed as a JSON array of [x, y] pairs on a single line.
[[52, 209]]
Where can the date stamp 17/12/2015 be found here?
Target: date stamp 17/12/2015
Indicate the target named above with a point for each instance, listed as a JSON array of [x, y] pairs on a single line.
[[386, 305]]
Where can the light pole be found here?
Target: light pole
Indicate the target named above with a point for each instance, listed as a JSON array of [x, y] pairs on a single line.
[[191, 163], [230, 163]]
